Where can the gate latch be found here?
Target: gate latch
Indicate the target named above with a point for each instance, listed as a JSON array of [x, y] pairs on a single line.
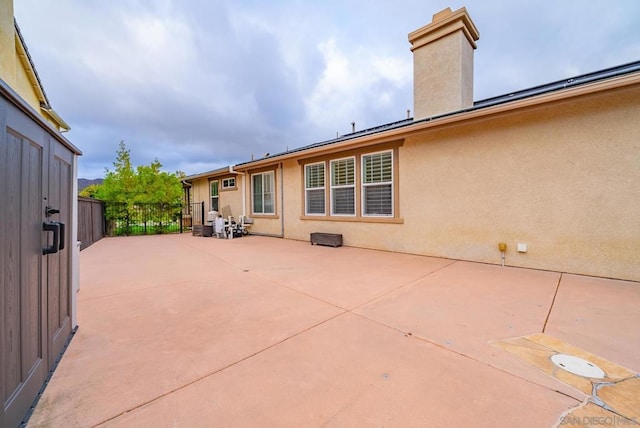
[[48, 211]]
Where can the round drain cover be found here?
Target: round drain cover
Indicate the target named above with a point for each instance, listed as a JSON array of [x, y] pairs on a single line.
[[577, 366]]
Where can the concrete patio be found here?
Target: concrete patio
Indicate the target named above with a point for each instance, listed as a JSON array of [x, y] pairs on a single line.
[[183, 331]]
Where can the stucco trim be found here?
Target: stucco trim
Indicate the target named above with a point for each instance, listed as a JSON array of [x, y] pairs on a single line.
[[554, 97], [220, 172], [353, 219], [331, 152], [444, 25]]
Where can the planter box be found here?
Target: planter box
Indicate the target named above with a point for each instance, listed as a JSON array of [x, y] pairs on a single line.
[[330, 239], [202, 230]]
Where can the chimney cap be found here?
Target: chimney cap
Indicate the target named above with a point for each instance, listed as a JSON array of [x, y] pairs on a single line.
[[439, 16], [444, 23]]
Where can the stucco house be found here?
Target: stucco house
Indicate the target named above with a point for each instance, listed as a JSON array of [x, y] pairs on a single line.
[[38, 217], [553, 171], [218, 190]]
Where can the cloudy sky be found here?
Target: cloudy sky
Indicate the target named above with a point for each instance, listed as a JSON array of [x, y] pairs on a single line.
[[201, 84]]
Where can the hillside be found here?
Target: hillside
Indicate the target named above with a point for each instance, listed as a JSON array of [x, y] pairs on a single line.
[[84, 182]]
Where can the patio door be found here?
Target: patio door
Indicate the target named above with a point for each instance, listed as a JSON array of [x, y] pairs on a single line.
[[35, 189]]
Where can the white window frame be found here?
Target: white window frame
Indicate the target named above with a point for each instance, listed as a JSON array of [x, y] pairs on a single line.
[[273, 192], [364, 184], [346, 186], [212, 197], [323, 188], [226, 183]]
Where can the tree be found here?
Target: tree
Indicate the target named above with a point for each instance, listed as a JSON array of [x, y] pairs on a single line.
[[144, 184], [119, 185], [128, 193], [89, 191], [154, 185]]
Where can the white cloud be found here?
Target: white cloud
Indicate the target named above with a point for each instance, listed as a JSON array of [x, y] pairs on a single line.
[[204, 83], [353, 83]]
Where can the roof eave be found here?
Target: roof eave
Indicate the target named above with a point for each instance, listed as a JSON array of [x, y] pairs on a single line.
[[30, 68], [19, 102], [460, 116], [64, 126], [227, 170]]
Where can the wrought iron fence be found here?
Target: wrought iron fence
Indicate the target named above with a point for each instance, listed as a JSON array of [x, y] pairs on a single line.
[[122, 219], [197, 213]]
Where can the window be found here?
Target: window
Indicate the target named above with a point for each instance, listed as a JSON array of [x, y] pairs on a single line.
[[214, 195], [262, 191], [377, 184], [360, 185], [314, 188], [343, 187], [229, 183]]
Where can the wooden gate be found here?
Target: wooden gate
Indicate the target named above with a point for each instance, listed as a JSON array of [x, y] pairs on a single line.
[[36, 177]]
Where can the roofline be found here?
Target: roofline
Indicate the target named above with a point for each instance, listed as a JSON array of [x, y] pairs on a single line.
[[601, 75], [615, 77], [56, 117], [36, 83], [13, 97], [227, 170]]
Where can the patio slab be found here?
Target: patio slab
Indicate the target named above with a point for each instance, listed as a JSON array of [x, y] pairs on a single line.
[[351, 371], [600, 315], [177, 330]]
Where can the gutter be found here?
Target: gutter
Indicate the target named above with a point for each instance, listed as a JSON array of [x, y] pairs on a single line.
[[56, 117], [536, 96], [21, 104], [25, 57]]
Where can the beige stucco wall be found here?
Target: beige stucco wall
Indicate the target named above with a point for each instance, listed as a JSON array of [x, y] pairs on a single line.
[[200, 192], [232, 198], [24, 87], [565, 180], [7, 44], [12, 68], [562, 178]]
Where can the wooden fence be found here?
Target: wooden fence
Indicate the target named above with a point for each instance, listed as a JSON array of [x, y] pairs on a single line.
[[90, 221]]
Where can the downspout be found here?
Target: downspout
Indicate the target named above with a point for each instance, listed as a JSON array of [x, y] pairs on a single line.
[[244, 189], [185, 187], [281, 200]]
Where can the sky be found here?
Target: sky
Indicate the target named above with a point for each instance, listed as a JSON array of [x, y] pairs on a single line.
[[202, 84]]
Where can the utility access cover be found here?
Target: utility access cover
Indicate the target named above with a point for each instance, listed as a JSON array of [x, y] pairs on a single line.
[[577, 366]]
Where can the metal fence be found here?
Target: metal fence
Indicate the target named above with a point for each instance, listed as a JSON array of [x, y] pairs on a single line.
[[122, 219], [196, 210]]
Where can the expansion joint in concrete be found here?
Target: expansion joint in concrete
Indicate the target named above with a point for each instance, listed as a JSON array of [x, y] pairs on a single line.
[[553, 301]]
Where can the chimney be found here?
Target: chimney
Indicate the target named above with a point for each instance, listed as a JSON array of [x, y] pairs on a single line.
[[443, 64]]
